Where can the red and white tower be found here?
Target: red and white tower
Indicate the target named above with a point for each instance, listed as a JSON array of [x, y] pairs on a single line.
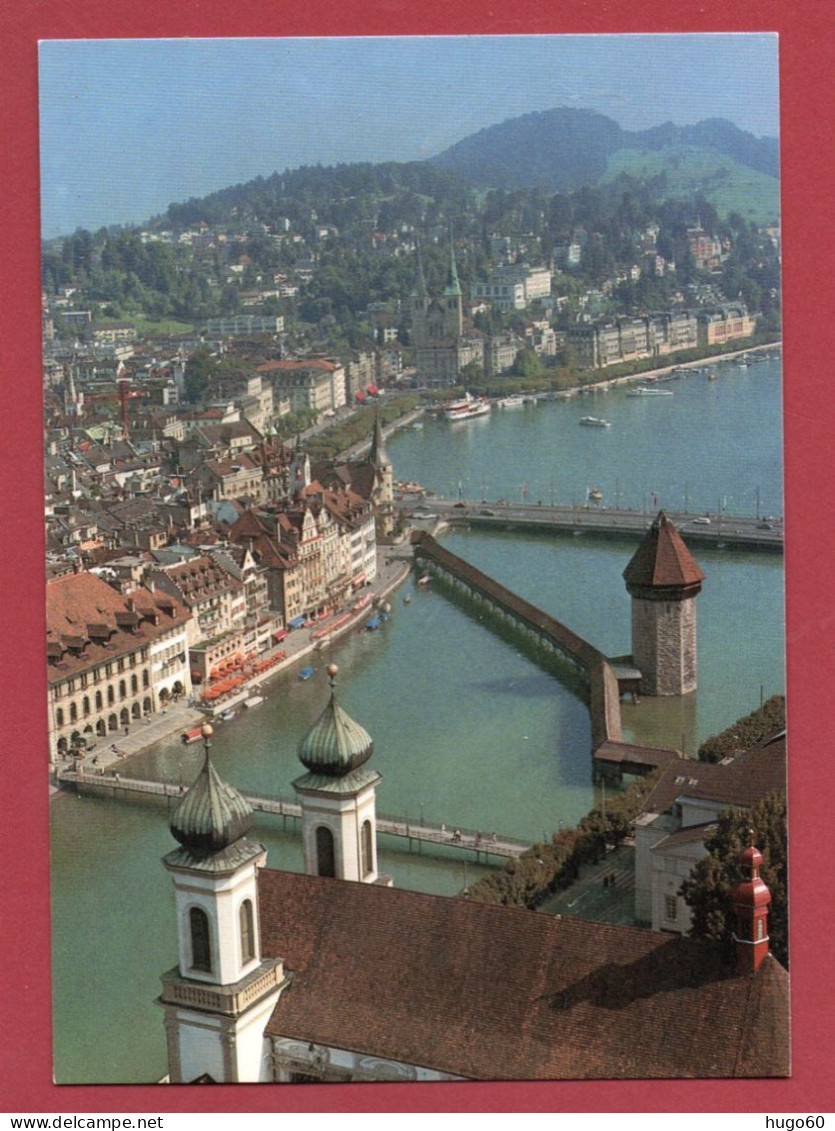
[[751, 899]]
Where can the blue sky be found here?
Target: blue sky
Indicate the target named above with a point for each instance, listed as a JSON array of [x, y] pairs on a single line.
[[128, 126]]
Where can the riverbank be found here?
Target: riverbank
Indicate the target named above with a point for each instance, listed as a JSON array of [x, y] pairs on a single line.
[[697, 364], [393, 568]]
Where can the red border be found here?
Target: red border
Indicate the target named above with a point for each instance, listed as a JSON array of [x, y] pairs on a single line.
[[809, 172]]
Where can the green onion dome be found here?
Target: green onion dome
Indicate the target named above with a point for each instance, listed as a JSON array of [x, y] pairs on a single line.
[[212, 815], [336, 744]]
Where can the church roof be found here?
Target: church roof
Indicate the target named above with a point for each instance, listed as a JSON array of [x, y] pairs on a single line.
[[487, 992], [662, 561]]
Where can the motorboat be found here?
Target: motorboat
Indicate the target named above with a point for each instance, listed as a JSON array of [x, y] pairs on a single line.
[[595, 422]]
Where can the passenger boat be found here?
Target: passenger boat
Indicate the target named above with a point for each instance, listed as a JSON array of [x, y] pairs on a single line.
[[595, 422], [467, 408], [646, 391], [515, 400]]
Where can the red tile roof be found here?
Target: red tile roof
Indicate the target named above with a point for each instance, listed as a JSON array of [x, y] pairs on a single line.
[[742, 782], [488, 992], [89, 622], [662, 561]]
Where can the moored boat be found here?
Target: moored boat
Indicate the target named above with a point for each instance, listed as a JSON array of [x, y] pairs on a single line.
[[306, 673], [515, 400], [646, 391], [595, 422], [466, 408]]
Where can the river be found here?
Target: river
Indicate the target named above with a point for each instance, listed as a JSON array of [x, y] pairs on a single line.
[[467, 729]]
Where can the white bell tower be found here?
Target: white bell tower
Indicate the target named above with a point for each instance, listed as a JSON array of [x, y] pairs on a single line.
[[338, 797], [219, 997]]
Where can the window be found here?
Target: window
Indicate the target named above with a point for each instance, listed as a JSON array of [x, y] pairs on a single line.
[[134, 685], [201, 948], [247, 932], [99, 701], [670, 908], [366, 849], [325, 854], [111, 697], [85, 705], [59, 717], [73, 712], [122, 689]]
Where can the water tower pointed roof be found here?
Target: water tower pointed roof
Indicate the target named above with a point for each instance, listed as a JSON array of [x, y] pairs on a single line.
[[662, 562]]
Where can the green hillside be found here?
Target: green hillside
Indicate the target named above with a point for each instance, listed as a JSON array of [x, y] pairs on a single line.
[[729, 186]]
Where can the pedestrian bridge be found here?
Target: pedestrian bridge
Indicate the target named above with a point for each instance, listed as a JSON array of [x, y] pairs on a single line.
[[476, 844]]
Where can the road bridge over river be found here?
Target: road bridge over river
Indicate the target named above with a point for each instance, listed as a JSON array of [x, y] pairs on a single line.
[[719, 531]]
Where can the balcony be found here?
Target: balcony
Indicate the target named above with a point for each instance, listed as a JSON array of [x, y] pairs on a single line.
[[230, 1000]]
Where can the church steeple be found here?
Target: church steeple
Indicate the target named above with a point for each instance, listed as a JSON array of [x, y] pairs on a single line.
[[383, 494], [221, 991], [453, 287], [751, 900], [379, 455], [337, 795]]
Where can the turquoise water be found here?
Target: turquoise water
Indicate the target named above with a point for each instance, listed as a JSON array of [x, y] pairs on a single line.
[[467, 729]]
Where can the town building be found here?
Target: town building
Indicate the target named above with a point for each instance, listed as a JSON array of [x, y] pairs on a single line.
[[315, 385], [680, 814], [113, 658], [513, 287], [724, 324]]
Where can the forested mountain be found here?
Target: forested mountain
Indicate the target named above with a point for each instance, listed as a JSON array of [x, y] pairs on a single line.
[[564, 149], [321, 245]]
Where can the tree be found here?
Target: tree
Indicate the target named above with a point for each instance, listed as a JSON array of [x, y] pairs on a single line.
[[527, 364], [708, 891], [199, 368]]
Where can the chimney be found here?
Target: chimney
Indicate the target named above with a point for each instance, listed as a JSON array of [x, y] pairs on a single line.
[[751, 898]]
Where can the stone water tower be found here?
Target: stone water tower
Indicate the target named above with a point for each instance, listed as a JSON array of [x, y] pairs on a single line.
[[664, 580]]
